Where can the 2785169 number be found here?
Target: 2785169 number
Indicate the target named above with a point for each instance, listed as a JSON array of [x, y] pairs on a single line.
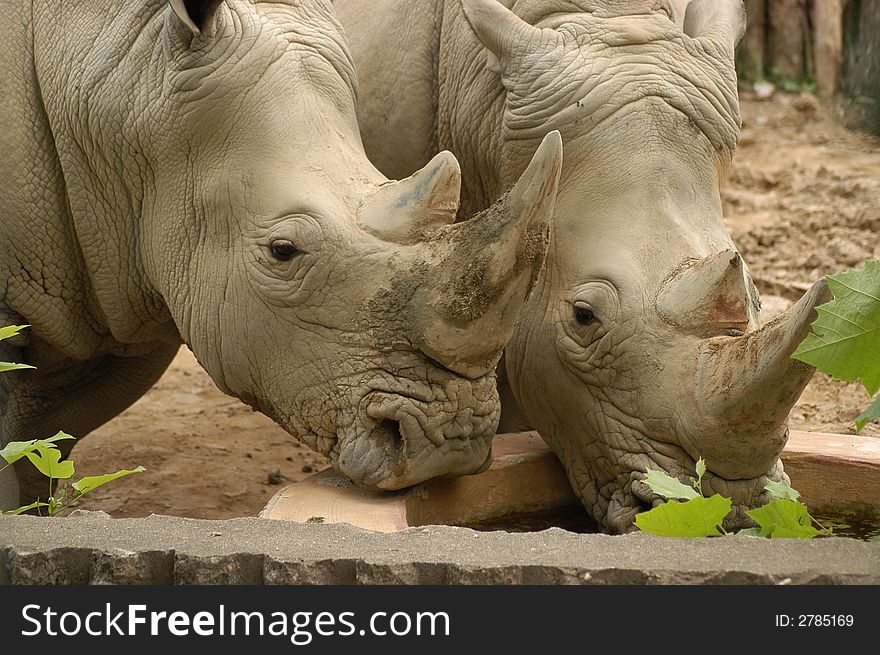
[[815, 621]]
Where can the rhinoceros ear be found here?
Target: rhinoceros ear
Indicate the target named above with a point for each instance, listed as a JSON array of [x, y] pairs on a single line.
[[196, 15], [722, 22], [505, 35]]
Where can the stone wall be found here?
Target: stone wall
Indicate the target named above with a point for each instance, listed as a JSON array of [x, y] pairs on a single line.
[[92, 548]]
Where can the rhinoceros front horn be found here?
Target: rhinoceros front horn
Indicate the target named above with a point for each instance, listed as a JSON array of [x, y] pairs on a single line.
[[747, 387], [483, 269]]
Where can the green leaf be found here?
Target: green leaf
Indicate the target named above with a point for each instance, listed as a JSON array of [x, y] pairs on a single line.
[[845, 341], [58, 436], [11, 330], [7, 333], [5, 367], [47, 461], [22, 510], [85, 485], [15, 450], [701, 469], [665, 485], [782, 490], [749, 532], [870, 414], [784, 518], [697, 517]]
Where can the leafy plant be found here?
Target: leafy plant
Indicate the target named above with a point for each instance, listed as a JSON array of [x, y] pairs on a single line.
[[45, 456], [845, 341], [698, 516], [784, 518], [792, 84]]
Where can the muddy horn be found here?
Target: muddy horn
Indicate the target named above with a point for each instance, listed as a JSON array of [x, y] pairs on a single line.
[[748, 386], [485, 269]]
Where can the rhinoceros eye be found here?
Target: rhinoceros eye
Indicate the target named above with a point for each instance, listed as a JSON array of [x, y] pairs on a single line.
[[584, 315], [283, 250]]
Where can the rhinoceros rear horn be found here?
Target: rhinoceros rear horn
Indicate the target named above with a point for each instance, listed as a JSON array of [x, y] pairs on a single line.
[[722, 22], [402, 212], [196, 15], [483, 270], [708, 295]]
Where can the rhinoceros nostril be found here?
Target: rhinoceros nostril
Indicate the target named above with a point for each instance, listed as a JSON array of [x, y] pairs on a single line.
[[387, 435]]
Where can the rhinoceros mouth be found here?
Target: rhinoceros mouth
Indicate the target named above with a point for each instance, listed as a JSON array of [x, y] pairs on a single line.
[[746, 493], [400, 440]]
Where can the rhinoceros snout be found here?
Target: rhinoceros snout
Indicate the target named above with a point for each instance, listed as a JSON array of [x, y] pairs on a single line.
[[398, 441]]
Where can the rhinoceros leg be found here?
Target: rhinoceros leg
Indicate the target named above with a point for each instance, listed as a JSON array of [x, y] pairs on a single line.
[[78, 400], [8, 489]]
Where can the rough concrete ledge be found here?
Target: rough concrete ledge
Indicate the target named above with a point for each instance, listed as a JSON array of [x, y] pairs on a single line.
[[92, 548]]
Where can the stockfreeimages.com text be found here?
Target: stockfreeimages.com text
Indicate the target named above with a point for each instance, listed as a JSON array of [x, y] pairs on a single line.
[[300, 627]]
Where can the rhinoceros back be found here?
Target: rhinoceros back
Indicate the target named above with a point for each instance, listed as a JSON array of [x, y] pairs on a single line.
[[41, 273], [56, 254], [398, 111]]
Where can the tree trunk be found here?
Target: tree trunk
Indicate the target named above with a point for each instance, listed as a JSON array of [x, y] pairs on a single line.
[[750, 54], [860, 82], [827, 44], [787, 40]]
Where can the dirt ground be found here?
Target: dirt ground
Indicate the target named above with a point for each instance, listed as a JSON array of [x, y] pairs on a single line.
[[802, 201]]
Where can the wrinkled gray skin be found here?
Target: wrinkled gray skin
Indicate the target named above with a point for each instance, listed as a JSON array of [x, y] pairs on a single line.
[[192, 173], [641, 346]]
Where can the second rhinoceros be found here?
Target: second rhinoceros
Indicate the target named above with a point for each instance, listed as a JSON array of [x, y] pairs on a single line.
[[191, 171], [641, 346]]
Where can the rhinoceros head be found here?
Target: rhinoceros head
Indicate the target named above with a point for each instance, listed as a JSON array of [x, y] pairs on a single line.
[[641, 347], [348, 307]]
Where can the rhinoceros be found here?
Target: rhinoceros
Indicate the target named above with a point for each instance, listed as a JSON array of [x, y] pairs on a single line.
[[641, 347], [191, 171]]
